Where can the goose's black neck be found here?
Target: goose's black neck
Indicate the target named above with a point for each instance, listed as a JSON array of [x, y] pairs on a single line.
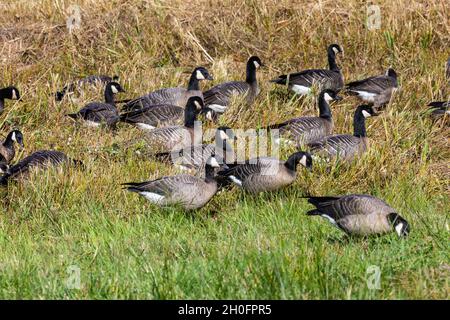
[[250, 73], [9, 143], [109, 95], [332, 61], [4, 93], [359, 124], [190, 116], [324, 107], [194, 83], [292, 162], [209, 173]]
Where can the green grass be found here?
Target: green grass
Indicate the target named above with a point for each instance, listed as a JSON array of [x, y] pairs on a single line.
[[239, 246]]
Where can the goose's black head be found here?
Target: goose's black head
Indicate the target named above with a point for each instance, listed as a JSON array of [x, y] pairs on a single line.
[[225, 133], [334, 49], [330, 95], [3, 168], [366, 111], [400, 225], [11, 93], [115, 87], [201, 73], [302, 157], [254, 62], [391, 73], [195, 104], [15, 136]]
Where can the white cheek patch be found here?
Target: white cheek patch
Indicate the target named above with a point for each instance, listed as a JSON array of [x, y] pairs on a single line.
[[335, 50], [327, 97], [223, 135], [366, 114], [398, 228], [14, 95], [213, 163], [13, 137], [257, 65], [209, 116], [303, 161], [198, 105], [200, 75], [114, 89]]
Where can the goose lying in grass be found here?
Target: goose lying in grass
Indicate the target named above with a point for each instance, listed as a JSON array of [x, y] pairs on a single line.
[[185, 190], [266, 173], [359, 214], [11, 93], [40, 159], [96, 113], [90, 80], [219, 97], [346, 146], [7, 149], [305, 130], [302, 82], [172, 96], [439, 109]]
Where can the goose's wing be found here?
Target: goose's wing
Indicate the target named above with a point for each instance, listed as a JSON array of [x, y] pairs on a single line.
[[309, 77], [376, 85], [98, 111], [342, 145], [37, 159], [248, 169], [313, 126], [161, 96], [154, 115], [167, 139], [222, 93]]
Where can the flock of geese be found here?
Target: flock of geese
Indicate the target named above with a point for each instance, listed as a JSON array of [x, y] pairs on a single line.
[[167, 117]]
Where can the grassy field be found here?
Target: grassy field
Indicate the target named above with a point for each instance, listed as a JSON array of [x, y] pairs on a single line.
[[59, 225]]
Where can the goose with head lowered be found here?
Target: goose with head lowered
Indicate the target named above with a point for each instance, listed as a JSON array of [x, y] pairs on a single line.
[[7, 149], [167, 139], [172, 96], [302, 82], [346, 146], [304, 130], [376, 90], [439, 109], [359, 214], [219, 97], [266, 173], [11, 93], [195, 157], [96, 113], [89, 80], [185, 190], [40, 159]]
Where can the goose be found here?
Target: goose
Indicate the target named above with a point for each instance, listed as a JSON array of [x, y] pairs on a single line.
[[305, 130], [218, 97], [171, 138], [359, 214], [346, 146], [92, 80], [96, 113], [172, 96], [7, 150], [302, 82], [185, 190], [447, 69], [376, 90], [11, 93], [266, 173], [195, 157], [40, 159], [439, 109]]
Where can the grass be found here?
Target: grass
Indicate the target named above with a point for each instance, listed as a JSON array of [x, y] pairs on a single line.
[[238, 246]]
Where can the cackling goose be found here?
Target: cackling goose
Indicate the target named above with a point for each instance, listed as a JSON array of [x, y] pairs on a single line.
[[439, 109], [11, 93], [266, 173], [346, 146], [302, 82], [92, 80], [7, 150], [359, 214], [188, 191], [218, 97]]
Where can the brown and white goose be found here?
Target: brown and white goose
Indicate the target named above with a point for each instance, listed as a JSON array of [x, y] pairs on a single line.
[[218, 97], [302, 82], [171, 138], [7, 149], [346, 146], [11, 93], [359, 214], [95, 113], [266, 173], [172, 96], [376, 90], [185, 190], [305, 130]]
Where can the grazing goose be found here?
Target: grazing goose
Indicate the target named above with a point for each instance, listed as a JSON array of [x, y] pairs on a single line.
[[346, 146], [188, 191], [92, 80], [359, 214], [39, 159], [438, 109], [7, 150], [172, 96], [376, 90], [171, 138], [266, 173], [11, 93], [96, 113], [302, 82], [218, 97], [195, 157], [305, 130]]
